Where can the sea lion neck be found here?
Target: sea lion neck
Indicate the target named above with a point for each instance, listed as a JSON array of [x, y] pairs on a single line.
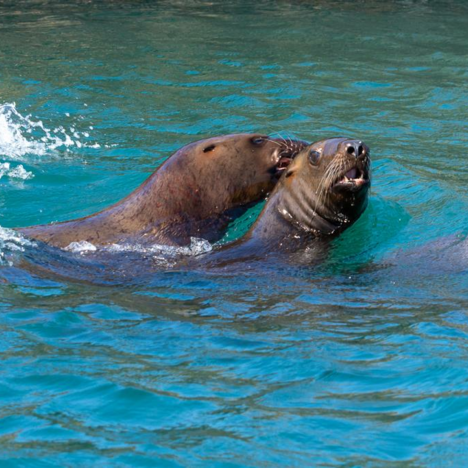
[[323, 192], [281, 220]]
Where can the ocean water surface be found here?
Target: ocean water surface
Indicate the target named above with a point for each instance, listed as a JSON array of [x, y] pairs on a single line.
[[360, 361]]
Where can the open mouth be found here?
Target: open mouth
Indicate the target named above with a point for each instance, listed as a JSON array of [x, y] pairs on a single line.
[[284, 162], [288, 151], [353, 178]]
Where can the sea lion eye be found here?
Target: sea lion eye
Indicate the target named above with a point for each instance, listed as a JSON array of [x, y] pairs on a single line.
[[314, 157], [257, 141]]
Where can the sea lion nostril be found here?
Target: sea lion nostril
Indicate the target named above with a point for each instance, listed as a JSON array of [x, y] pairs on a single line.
[[355, 148]]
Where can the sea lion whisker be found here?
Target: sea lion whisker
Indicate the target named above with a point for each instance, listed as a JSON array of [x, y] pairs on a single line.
[[290, 140], [331, 171], [334, 168], [276, 142], [321, 189], [280, 137], [277, 133]]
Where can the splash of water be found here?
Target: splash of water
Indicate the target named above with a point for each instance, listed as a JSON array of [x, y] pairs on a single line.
[[22, 135], [18, 172], [81, 247], [11, 242], [197, 247]]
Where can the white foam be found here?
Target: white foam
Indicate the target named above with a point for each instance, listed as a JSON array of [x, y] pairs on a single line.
[[18, 172], [197, 247], [81, 247], [10, 235], [12, 241]]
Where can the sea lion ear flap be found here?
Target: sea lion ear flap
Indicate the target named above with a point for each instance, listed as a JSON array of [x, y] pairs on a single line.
[[289, 173], [209, 148]]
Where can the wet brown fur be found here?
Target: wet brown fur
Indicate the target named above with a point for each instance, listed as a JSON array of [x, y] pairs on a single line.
[[190, 195]]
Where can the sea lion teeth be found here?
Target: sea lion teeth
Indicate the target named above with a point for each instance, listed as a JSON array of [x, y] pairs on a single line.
[[283, 163]]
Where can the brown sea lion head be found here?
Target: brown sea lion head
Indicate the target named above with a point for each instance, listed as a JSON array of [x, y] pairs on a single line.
[[324, 190], [228, 171]]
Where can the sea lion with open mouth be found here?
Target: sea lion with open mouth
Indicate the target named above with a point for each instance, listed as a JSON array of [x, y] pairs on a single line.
[[322, 192], [192, 194]]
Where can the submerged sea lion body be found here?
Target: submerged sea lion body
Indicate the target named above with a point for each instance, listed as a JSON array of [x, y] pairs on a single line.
[[322, 192], [190, 195]]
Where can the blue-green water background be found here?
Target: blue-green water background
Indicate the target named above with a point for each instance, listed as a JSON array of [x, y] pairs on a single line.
[[358, 366]]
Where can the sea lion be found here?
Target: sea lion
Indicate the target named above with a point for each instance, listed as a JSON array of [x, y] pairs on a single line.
[[322, 192], [191, 195]]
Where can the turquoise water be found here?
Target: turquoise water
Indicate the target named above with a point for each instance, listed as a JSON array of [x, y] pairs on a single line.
[[358, 362]]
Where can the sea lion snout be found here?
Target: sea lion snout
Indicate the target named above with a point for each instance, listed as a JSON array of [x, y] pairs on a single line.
[[357, 148], [352, 165]]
